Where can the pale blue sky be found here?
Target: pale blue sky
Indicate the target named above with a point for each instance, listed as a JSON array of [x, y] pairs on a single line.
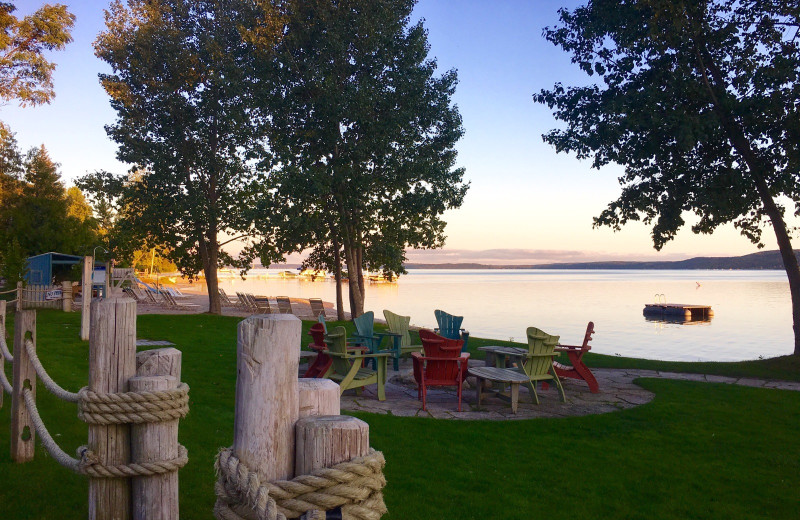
[[526, 204]]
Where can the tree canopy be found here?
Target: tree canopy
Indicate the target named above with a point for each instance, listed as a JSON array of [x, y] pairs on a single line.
[[25, 73], [362, 138], [699, 101], [182, 84]]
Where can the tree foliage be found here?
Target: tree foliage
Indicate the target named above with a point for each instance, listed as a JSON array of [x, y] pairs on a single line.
[[362, 135], [39, 215], [699, 101], [182, 85], [25, 73]]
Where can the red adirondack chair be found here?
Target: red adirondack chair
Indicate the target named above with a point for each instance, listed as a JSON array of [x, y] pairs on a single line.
[[442, 364], [578, 370], [322, 362]]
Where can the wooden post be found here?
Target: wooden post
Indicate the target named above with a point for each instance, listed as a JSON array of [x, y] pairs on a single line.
[[86, 296], [318, 397], [2, 338], [267, 406], [66, 296], [20, 298], [324, 441], [112, 362], [156, 497], [23, 435], [108, 285]]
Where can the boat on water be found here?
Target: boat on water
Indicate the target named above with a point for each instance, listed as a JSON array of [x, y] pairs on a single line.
[[287, 274], [313, 274], [381, 278]]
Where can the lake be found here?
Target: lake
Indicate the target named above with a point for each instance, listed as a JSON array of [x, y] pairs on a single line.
[[752, 309]]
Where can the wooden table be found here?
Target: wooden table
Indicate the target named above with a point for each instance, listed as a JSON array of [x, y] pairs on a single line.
[[500, 375], [496, 355]]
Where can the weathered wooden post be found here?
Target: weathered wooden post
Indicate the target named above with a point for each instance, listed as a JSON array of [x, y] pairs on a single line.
[[156, 497], [324, 441], [318, 397], [23, 434], [2, 338], [66, 296], [267, 406], [86, 296], [112, 362], [20, 294], [108, 285]]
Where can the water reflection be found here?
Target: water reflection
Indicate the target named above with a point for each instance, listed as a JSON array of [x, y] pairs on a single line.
[[752, 308]]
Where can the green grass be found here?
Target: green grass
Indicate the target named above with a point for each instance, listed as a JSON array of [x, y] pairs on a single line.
[[697, 451]]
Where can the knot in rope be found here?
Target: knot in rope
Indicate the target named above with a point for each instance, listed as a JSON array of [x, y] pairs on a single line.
[[133, 407], [355, 486]]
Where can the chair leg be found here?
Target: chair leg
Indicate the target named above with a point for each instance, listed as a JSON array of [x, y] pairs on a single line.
[[532, 388], [558, 384]]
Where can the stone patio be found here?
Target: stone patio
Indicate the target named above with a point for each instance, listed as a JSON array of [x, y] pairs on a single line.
[[617, 392]]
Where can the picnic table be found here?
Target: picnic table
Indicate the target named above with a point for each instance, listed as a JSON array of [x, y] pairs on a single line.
[[504, 376]]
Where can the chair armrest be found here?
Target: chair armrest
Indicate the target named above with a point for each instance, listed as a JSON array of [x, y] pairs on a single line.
[[571, 348], [359, 356]]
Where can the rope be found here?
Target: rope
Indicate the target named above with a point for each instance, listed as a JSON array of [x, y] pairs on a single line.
[[133, 407], [4, 348], [88, 464], [355, 486], [48, 382], [4, 381], [47, 441]]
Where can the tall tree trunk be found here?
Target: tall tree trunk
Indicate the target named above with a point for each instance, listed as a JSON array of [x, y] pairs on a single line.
[[356, 301], [337, 259], [715, 82], [209, 254]]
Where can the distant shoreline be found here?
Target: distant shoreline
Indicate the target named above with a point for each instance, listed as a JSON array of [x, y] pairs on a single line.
[[761, 261]]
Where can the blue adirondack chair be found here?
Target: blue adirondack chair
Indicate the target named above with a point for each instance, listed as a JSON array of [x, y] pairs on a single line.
[[450, 327], [365, 333]]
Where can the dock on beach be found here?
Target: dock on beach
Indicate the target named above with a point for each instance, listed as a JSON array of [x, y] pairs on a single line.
[[689, 312]]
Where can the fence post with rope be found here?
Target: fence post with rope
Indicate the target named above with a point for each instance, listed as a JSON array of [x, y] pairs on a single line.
[[6, 387], [86, 295], [121, 399], [23, 435]]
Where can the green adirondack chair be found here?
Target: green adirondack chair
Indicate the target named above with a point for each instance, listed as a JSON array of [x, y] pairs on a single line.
[[346, 368], [399, 325], [537, 364]]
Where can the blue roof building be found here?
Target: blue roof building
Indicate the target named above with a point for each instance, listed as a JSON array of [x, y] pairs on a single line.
[[43, 268]]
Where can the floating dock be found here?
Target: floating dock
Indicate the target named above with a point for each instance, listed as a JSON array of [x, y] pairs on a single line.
[[689, 312]]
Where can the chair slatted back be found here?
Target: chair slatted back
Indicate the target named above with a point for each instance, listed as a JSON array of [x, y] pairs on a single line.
[[337, 343], [365, 325], [438, 347], [541, 350], [449, 325], [399, 325], [284, 305], [317, 307]]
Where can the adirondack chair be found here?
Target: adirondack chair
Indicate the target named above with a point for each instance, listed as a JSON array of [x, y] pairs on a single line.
[[450, 327], [284, 305], [578, 370], [346, 366], [317, 307], [399, 325], [537, 364], [365, 332], [320, 365], [442, 364]]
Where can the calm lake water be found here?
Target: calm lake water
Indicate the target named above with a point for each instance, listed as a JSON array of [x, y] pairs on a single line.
[[752, 309]]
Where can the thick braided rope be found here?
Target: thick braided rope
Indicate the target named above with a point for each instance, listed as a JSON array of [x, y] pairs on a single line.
[[355, 486], [4, 349], [88, 464], [133, 407], [4, 382], [48, 382]]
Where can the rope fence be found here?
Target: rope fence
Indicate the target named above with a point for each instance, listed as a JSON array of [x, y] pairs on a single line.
[[140, 410]]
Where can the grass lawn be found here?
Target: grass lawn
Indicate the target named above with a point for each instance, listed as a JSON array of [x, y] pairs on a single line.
[[697, 451]]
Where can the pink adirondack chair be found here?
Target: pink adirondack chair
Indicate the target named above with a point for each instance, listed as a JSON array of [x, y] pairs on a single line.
[[442, 364]]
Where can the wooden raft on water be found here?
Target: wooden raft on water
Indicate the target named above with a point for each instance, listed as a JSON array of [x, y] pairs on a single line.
[[690, 312]]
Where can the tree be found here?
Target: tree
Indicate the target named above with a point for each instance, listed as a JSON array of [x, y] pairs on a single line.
[[25, 73], [699, 102], [362, 135], [182, 85]]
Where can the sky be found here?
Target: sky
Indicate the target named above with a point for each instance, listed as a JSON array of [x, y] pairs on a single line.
[[526, 203]]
